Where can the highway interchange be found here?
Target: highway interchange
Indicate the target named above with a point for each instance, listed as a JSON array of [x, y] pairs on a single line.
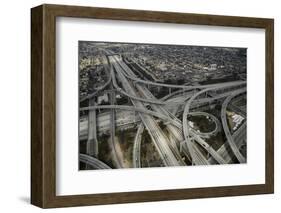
[[180, 140]]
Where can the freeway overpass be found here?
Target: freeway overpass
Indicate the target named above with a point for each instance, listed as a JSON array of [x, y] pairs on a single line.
[[179, 139]]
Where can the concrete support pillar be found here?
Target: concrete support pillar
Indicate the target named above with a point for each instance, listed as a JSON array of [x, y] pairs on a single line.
[[92, 143]]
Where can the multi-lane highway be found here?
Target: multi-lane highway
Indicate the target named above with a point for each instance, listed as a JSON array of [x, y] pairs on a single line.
[[158, 137]]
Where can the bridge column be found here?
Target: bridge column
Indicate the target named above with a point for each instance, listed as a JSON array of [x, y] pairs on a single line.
[[92, 143], [116, 158], [112, 102]]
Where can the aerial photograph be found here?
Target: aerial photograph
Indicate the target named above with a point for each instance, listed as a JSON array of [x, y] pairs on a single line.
[[160, 105]]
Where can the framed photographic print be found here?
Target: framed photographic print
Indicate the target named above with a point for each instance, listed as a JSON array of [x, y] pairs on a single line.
[[136, 106]]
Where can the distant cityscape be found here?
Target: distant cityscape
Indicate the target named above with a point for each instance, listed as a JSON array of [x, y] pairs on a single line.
[[152, 105]]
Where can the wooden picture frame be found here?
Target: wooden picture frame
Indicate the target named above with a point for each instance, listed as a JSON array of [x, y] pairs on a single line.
[[43, 105]]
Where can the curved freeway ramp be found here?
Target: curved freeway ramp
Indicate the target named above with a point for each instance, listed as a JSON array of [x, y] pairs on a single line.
[[95, 163], [239, 137], [213, 118], [187, 134], [178, 86], [228, 135], [137, 147]]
